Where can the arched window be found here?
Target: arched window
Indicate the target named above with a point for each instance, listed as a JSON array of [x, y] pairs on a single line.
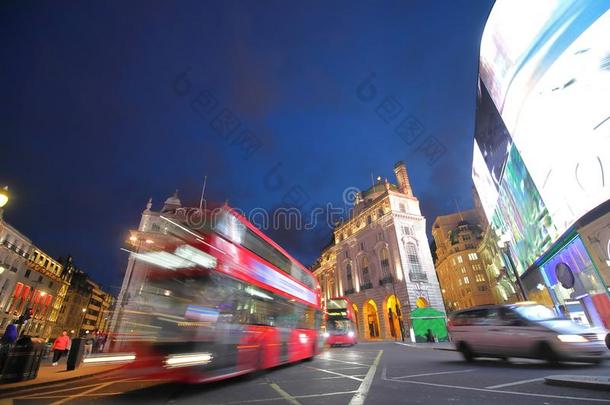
[[384, 261], [348, 275], [413, 258], [364, 266]]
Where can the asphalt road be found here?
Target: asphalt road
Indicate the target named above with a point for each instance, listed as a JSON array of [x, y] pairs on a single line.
[[371, 373]]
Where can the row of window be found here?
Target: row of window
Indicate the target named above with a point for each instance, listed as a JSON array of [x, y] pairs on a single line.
[[369, 221], [458, 259]]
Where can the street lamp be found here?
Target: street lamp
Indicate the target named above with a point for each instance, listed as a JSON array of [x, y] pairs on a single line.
[[4, 197], [503, 245]]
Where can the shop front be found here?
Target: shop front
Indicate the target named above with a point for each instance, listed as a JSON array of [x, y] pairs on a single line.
[[567, 279]]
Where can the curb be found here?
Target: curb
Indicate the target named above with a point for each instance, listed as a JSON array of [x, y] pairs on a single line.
[[579, 381], [4, 391]]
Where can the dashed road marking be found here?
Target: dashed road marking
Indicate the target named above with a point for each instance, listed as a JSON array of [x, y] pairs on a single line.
[[493, 387], [458, 387], [363, 390], [437, 373], [336, 373]]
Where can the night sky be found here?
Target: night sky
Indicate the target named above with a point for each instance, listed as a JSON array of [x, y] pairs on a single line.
[[96, 115]]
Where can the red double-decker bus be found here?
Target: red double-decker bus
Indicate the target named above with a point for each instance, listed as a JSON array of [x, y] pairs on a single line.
[[219, 301], [340, 323]]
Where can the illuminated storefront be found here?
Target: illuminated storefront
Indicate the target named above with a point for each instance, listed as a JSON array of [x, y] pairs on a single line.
[[542, 150]]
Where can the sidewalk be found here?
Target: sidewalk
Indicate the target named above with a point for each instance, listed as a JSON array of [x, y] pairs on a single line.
[[435, 346], [580, 381], [48, 374]]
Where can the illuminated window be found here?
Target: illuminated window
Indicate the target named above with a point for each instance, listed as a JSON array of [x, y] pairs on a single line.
[[473, 256], [348, 274], [364, 265], [385, 262], [459, 259], [479, 278], [413, 258], [466, 280]]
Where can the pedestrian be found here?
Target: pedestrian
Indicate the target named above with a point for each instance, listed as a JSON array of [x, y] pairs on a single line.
[[88, 345], [10, 335], [61, 345], [429, 336]]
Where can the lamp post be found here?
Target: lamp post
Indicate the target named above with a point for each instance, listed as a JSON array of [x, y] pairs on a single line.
[[503, 245], [82, 320], [4, 197]]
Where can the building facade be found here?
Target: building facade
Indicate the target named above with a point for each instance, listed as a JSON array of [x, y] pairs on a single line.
[[460, 270], [150, 229], [541, 154], [380, 260], [31, 284], [86, 307]]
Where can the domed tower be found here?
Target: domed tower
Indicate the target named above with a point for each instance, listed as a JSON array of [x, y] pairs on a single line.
[[172, 203]]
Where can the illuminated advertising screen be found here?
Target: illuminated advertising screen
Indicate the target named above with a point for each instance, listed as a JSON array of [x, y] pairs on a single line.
[[521, 217], [491, 135], [546, 67]]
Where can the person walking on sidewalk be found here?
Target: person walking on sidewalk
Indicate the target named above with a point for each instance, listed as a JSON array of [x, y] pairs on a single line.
[[60, 346]]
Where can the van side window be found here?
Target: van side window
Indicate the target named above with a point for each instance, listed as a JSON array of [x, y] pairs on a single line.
[[509, 316]]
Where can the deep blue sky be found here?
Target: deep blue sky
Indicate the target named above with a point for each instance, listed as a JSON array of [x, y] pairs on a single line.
[[92, 125]]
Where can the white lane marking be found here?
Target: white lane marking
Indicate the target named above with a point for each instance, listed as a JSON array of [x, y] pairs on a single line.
[[528, 394], [335, 373], [42, 396], [347, 368], [348, 362], [363, 390], [89, 391], [404, 344], [284, 394], [493, 387], [438, 373], [326, 394]]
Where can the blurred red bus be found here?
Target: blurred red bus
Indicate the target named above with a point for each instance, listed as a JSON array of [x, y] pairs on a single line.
[[218, 302], [340, 322]]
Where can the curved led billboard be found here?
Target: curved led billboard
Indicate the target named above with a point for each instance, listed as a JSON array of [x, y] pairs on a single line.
[[545, 67]]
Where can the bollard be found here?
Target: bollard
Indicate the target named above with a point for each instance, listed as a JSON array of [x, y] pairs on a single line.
[[75, 357]]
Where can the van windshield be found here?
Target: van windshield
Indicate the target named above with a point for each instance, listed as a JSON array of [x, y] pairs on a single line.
[[536, 312]]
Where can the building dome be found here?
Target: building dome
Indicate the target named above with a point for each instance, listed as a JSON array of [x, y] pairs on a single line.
[[172, 203]]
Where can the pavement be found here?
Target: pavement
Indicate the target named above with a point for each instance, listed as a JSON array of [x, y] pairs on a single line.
[[368, 373], [48, 374]]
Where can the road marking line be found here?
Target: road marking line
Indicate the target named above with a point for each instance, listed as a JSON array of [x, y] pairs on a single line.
[[326, 394], [347, 362], [284, 394], [335, 373], [360, 395], [514, 383], [89, 391], [528, 394], [439, 373], [348, 368], [63, 396]]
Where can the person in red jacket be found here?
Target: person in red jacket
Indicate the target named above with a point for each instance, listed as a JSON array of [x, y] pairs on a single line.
[[60, 346]]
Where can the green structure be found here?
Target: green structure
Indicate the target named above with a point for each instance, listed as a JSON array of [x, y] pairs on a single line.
[[423, 319]]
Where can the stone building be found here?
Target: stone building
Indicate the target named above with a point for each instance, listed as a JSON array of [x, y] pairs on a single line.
[[461, 273], [380, 260], [31, 281]]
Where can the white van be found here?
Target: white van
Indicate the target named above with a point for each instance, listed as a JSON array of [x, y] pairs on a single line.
[[524, 330]]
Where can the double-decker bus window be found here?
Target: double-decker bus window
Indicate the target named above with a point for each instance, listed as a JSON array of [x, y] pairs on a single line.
[[230, 227]]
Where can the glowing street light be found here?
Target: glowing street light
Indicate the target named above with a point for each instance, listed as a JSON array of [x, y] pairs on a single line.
[[3, 196]]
